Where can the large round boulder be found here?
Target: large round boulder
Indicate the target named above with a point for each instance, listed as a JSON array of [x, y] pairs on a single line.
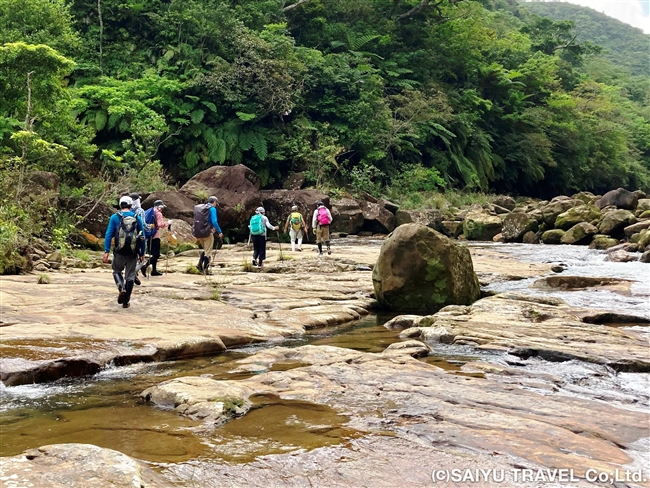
[[237, 179], [620, 198], [553, 236], [555, 207], [479, 226], [421, 270], [516, 224], [581, 233], [505, 202], [576, 215], [615, 220]]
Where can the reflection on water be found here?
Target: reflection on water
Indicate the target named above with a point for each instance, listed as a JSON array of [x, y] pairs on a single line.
[[275, 426], [580, 261]]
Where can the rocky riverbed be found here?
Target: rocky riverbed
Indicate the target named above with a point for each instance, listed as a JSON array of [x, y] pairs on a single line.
[[544, 389]]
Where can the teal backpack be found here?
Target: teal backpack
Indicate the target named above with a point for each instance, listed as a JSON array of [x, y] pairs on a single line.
[[256, 225]]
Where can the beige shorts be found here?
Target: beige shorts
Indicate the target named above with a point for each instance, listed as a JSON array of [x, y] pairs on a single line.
[[322, 233], [207, 243]]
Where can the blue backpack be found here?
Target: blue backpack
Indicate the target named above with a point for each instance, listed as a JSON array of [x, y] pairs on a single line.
[[256, 225], [150, 226]]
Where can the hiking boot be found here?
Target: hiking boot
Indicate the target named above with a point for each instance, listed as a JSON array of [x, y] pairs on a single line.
[[137, 281], [126, 305], [143, 270], [299, 250], [156, 273], [121, 297], [329, 252], [320, 253], [255, 262]]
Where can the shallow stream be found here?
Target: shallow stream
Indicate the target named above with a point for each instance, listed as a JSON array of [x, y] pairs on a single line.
[[105, 409]]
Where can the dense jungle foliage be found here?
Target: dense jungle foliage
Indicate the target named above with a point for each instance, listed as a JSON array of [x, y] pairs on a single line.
[[386, 96]]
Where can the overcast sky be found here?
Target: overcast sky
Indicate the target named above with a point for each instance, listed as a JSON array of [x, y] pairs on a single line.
[[633, 12]]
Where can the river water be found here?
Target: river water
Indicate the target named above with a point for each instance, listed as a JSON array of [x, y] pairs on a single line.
[[105, 409]]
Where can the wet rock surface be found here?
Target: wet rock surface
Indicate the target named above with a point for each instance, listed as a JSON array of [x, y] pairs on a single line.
[[404, 417], [409, 403], [528, 327]]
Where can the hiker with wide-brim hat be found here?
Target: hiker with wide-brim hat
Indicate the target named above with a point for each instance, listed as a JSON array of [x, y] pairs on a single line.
[[258, 225], [296, 224], [154, 218], [126, 231], [320, 222]]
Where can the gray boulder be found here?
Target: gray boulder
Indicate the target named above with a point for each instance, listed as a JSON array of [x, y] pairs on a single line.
[[346, 215], [515, 225], [602, 242], [421, 270], [579, 234], [630, 230], [555, 207], [615, 220], [480, 226], [553, 236], [576, 215], [432, 218], [505, 202], [620, 198], [377, 218]]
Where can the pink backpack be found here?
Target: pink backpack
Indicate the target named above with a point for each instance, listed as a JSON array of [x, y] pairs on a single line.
[[323, 217]]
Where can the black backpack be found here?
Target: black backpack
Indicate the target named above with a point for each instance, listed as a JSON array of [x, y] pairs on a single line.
[[126, 236], [202, 226]]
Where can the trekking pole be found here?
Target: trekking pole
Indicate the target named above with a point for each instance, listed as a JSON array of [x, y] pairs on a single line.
[[280, 243]]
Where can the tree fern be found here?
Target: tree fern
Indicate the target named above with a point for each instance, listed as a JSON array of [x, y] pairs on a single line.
[[197, 115], [246, 140], [113, 119], [192, 160], [100, 119], [259, 145]]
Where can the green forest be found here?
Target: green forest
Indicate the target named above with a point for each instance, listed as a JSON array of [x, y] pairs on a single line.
[[622, 44], [385, 96]]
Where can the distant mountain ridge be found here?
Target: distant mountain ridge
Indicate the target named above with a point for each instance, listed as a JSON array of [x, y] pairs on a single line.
[[625, 45]]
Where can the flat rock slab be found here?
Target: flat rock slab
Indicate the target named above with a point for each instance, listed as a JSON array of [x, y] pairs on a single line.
[[389, 394], [525, 326], [65, 465], [74, 327]]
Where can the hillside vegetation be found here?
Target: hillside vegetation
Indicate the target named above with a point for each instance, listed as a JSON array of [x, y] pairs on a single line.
[[623, 44], [386, 96]]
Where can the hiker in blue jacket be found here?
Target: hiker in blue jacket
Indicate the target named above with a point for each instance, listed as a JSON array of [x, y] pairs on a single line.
[[127, 232], [258, 225]]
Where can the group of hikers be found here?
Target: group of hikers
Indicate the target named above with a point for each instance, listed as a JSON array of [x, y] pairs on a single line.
[[135, 233]]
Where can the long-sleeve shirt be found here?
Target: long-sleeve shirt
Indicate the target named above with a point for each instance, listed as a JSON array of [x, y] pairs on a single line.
[[114, 224], [213, 220], [267, 224], [314, 220], [161, 223]]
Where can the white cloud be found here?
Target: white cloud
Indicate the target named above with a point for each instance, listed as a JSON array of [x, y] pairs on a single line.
[[629, 11]]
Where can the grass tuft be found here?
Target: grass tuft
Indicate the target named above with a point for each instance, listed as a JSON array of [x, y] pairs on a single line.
[[43, 279]]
